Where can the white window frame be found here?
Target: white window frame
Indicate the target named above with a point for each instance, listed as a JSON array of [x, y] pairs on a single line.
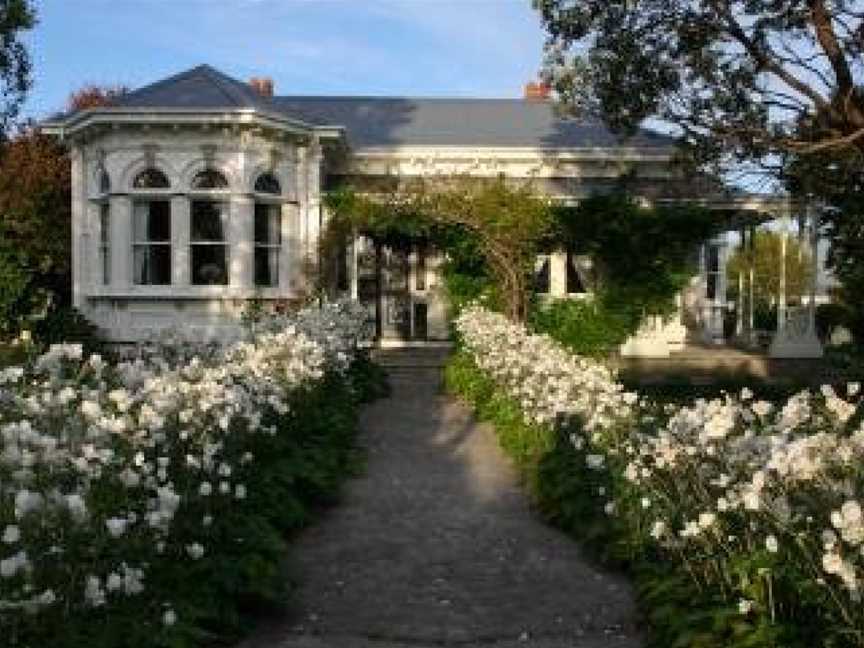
[[147, 198], [105, 240], [222, 198], [271, 202]]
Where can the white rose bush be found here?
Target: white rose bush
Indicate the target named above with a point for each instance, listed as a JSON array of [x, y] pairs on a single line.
[[145, 502], [741, 520]]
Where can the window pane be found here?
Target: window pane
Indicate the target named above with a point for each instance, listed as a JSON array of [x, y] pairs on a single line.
[[104, 223], [152, 221], [106, 265], [541, 275], [267, 183], [209, 179], [711, 288], [151, 179], [575, 284], [268, 224], [266, 266], [420, 278], [713, 258], [210, 265], [152, 264], [208, 221]]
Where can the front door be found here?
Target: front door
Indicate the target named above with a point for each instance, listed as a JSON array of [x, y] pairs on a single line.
[[395, 293], [393, 285]]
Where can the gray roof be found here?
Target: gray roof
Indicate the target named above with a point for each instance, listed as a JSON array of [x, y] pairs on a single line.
[[387, 121], [201, 87], [383, 121]]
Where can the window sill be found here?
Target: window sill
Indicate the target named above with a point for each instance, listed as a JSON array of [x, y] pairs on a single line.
[[191, 292]]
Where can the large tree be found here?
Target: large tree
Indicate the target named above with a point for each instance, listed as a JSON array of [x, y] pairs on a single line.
[[16, 17], [750, 80], [35, 216]]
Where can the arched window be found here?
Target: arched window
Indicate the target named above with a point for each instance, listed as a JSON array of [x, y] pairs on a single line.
[[268, 184], [208, 243], [209, 179], [268, 231], [151, 179], [151, 231]]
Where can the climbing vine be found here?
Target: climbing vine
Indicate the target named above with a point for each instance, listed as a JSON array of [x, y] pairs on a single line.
[[505, 225]]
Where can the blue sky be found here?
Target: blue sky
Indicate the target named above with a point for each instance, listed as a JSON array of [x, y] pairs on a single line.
[[382, 47]]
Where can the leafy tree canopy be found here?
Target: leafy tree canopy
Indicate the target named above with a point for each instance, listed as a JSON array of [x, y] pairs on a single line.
[[742, 80], [16, 16]]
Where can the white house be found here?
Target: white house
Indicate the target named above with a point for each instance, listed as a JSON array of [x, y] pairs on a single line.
[[198, 193]]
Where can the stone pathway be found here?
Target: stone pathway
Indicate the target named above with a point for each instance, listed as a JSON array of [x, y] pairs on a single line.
[[435, 546]]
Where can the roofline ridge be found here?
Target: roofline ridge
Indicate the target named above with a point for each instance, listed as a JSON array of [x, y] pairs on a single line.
[[219, 79], [161, 82]]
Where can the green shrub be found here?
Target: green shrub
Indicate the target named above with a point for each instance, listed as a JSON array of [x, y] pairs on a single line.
[[19, 296], [588, 327]]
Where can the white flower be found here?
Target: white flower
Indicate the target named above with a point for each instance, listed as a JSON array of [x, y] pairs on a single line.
[[91, 410], [27, 501], [94, 595], [169, 618], [12, 565], [706, 520], [116, 526], [11, 534], [240, 491], [205, 489], [745, 606], [114, 582], [195, 550], [594, 461], [771, 544], [658, 529]]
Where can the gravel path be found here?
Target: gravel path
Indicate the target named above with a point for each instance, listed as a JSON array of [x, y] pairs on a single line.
[[435, 546]]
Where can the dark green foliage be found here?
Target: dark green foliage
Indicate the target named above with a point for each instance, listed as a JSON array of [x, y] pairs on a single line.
[[832, 316], [16, 16], [740, 80], [642, 255], [588, 327], [18, 294], [295, 474]]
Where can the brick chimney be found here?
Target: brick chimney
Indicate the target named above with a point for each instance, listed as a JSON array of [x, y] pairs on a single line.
[[537, 91], [263, 86]]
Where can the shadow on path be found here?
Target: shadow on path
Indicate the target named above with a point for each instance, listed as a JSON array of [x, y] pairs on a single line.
[[435, 546]]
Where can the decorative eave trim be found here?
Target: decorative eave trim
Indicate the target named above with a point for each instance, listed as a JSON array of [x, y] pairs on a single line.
[[515, 153], [184, 116]]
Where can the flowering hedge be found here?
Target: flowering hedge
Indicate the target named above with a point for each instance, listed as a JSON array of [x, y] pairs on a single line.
[[145, 502], [741, 519]]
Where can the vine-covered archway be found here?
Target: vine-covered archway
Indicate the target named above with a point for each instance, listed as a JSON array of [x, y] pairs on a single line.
[[506, 226]]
